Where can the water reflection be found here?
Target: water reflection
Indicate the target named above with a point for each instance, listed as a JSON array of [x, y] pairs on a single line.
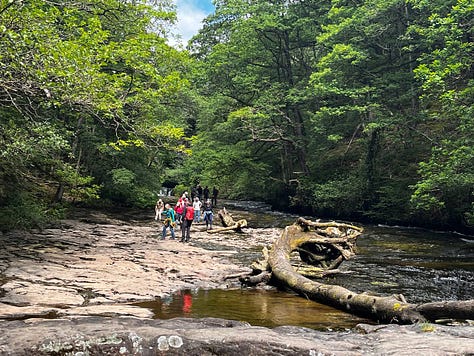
[[187, 302], [269, 308]]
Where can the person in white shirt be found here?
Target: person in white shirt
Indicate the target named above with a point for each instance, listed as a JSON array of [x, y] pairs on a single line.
[[159, 209], [197, 209]]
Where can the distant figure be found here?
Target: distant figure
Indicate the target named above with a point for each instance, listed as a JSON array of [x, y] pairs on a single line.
[[206, 193], [159, 209], [169, 222], [214, 196], [199, 191], [208, 214], [197, 210]]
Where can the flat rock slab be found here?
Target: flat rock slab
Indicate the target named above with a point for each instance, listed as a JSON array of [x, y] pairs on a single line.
[[102, 261], [209, 336]]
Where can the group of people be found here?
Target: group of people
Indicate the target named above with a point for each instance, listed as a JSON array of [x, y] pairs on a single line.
[[204, 194], [184, 213]]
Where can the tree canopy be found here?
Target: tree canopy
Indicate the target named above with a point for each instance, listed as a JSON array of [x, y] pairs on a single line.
[[354, 110], [359, 110], [90, 101]]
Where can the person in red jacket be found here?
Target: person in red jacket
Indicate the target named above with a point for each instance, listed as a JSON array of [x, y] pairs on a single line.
[[188, 217]]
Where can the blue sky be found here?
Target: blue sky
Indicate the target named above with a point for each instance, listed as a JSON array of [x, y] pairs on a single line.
[[190, 15]]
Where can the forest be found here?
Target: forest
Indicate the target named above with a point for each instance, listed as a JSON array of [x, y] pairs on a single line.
[[359, 110]]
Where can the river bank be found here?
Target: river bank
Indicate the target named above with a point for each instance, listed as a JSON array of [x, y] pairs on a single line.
[[85, 272], [98, 262]]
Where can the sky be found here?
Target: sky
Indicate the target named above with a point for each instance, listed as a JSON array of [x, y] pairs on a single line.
[[190, 15]]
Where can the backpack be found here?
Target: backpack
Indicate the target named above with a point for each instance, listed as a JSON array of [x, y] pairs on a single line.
[[189, 213]]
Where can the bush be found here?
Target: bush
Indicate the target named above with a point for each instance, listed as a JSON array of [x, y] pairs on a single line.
[[23, 211]]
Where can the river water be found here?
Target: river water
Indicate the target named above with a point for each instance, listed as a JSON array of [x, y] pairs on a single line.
[[422, 265]]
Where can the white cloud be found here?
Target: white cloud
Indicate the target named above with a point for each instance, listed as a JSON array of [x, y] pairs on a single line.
[[189, 21]]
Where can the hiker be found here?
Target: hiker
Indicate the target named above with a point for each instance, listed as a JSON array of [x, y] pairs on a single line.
[[197, 210], [188, 217], [159, 209], [214, 196], [199, 191], [208, 214], [169, 221], [206, 193]]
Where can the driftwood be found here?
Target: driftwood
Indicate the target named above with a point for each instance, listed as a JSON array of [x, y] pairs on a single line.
[[326, 246], [228, 223], [252, 280]]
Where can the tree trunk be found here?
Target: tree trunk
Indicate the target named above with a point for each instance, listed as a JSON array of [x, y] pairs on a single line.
[[228, 223], [59, 193], [226, 218], [337, 241]]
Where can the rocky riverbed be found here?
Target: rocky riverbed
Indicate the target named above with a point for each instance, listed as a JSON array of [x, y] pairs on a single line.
[[68, 289], [98, 262]]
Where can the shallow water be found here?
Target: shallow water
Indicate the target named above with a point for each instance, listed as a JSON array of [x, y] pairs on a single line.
[[268, 308], [422, 265]]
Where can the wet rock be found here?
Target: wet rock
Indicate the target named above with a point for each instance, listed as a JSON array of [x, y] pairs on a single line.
[[24, 293], [108, 310], [102, 260], [17, 312], [209, 336]]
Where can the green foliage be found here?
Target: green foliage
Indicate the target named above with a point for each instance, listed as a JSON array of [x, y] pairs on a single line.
[[179, 190], [22, 211], [122, 178], [79, 77], [444, 190], [81, 187], [333, 198], [352, 110], [230, 168]]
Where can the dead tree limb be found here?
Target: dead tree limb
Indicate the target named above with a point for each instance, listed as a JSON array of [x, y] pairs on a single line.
[[460, 310], [237, 227], [384, 309], [228, 223], [263, 277], [326, 237]]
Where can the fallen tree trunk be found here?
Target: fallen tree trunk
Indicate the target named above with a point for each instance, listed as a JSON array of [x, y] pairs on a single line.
[[228, 223], [330, 238], [237, 227], [460, 309], [225, 217]]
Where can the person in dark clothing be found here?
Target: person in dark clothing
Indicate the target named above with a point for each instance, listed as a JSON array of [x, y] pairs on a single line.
[[214, 196], [206, 193], [199, 191], [208, 214]]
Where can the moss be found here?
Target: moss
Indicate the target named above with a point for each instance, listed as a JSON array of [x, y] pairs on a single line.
[[427, 327]]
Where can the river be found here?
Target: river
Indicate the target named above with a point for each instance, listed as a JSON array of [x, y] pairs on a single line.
[[422, 265]]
